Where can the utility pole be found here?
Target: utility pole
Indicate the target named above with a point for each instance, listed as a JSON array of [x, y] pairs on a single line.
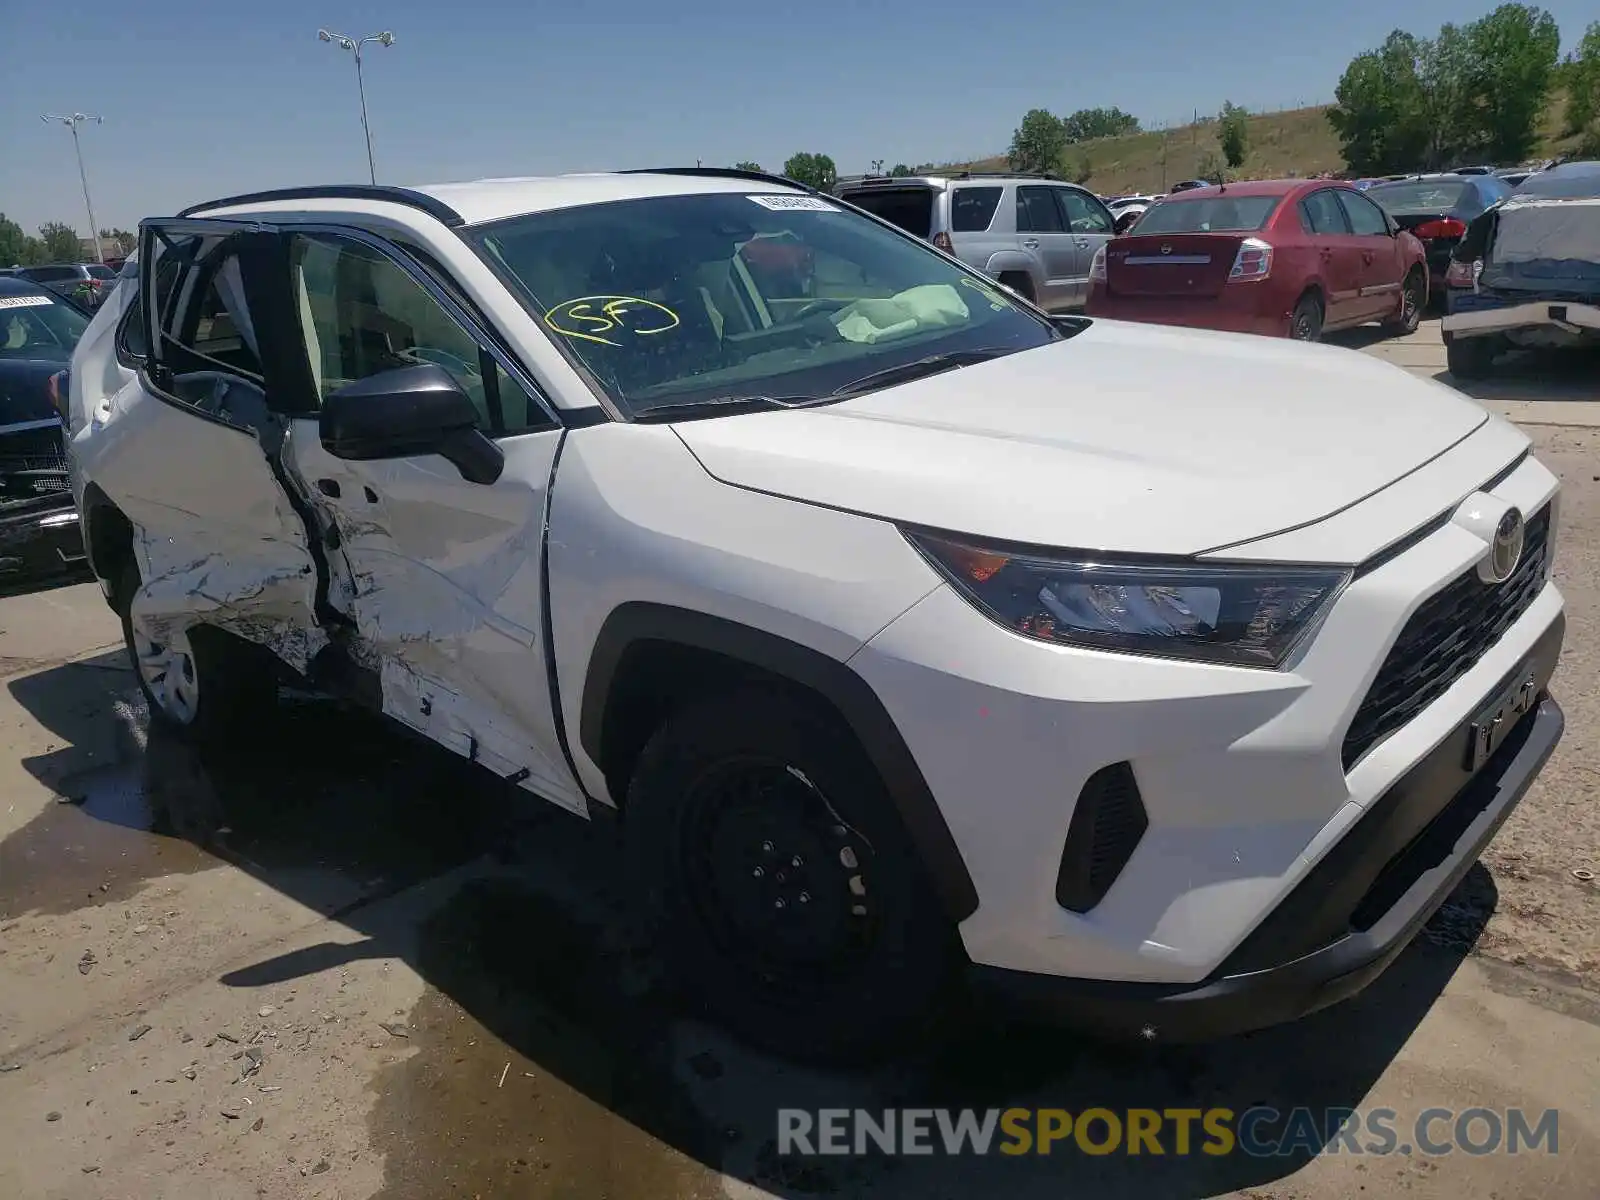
[[354, 46], [72, 122]]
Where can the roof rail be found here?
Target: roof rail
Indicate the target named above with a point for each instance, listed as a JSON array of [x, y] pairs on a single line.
[[421, 201], [724, 173], [1008, 175]]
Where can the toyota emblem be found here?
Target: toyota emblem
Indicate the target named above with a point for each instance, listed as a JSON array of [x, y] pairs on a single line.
[[1505, 551]]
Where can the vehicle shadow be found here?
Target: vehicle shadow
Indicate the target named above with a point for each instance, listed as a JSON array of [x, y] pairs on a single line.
[[532, 960], [1535, 375]]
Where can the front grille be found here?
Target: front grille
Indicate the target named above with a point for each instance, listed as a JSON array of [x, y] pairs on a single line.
[[33, 462], [1444, 639]]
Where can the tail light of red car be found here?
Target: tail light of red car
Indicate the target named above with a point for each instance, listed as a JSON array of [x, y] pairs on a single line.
[[1461, 274], [1252, 263], [1097, 265], [1444, 227], [943, 242]]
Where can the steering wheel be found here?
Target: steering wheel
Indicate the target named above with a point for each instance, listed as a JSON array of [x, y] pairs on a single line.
[[827, 304]]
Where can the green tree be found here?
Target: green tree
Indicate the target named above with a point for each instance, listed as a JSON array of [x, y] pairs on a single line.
[[747, 166], [1234, 133], [1038, 143], [1378, 108], [1512, 55], [60, 242], [1089, 123], [899, 170], [13, 243], [815, 170], [1580, 75]]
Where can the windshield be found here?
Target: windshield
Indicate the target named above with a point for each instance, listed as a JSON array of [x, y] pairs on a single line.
[[1213, 214], [39, 327], [690, 299], [1420, 197]]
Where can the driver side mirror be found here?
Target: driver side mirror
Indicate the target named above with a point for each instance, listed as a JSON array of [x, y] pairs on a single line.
[[405, 412]]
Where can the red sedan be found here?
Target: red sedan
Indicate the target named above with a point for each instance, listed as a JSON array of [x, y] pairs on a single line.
[[1286, 257]]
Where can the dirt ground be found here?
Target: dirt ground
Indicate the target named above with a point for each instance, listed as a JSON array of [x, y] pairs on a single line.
[[334, 963]]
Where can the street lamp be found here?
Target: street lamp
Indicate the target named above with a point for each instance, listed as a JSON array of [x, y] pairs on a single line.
[[354, 46], [72, 121]]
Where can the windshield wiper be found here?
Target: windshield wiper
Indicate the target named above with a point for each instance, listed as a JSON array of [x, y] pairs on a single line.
[[921, 368], [722, 406]]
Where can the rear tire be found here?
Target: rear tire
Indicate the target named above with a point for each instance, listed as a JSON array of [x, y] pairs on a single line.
[[1470, 358], [1020, 283], [201, 683], [783, 892], [1413, 296], [1305, 323]]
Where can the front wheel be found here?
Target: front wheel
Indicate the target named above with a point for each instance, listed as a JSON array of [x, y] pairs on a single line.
[[784, 893], [200, 683], [1413, 296]]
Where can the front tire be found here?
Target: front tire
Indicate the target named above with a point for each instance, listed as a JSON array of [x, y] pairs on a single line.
[[1413, 296], [200, 683], [783, 891], [1470, 358]]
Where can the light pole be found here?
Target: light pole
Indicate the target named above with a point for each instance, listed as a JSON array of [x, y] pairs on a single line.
[[354, 46], [72, 121]]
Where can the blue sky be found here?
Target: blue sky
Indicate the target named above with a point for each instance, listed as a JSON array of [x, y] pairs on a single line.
[[202, 99]]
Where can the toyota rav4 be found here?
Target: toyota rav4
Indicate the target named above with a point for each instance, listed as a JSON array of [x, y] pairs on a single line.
[[1165, 681]]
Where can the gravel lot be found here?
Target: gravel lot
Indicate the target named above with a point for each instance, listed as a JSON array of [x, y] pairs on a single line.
[[335, 964]]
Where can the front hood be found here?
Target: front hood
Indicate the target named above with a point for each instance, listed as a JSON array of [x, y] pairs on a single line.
[[1129, 438]]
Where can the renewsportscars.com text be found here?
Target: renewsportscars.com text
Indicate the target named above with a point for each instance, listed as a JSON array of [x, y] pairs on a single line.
[[1260, 1131]]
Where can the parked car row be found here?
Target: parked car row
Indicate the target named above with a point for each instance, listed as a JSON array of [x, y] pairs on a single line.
[[86, 284]]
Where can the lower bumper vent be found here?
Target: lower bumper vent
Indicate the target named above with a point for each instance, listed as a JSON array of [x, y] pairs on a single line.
[[1107, 824]]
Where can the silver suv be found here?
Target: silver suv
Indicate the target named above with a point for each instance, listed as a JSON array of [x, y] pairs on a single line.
[[1034, 233]]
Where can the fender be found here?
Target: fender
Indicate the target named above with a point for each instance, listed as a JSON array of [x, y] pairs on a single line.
[[828, 678]]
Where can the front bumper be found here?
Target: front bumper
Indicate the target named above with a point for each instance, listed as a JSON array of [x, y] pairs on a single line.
[[40, 540], [1406, 889], [1244, 777]]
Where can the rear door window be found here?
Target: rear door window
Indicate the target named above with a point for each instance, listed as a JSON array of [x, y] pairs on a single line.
[[972, 209], [1323, 215], [1037, 211], [911, 208]]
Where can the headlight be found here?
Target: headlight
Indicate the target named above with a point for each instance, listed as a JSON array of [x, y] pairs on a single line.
[[1240, 615]]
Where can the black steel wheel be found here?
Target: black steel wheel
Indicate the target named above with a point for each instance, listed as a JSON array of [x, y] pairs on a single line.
[[785, 896]]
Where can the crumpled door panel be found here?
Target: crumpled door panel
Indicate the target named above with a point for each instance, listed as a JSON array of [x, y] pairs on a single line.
[[215, 536]]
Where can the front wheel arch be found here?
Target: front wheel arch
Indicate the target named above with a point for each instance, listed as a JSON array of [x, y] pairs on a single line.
[[650, 660]]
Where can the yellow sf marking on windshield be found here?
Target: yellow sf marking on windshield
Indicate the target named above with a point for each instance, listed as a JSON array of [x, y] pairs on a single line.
[[596, 316]]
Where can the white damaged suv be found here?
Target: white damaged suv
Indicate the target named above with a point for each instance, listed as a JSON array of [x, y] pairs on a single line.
[[1163, 681]]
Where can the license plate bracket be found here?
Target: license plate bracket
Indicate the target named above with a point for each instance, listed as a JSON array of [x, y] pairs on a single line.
[[1497, 718]]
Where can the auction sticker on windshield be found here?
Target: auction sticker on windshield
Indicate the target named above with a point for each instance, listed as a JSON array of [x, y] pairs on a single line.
[[778, 203], [25, 301]]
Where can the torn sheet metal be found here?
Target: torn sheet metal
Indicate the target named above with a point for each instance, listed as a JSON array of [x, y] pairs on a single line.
[[270, 603]]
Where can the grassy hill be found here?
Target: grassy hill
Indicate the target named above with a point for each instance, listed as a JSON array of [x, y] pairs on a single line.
[[1295, 142]]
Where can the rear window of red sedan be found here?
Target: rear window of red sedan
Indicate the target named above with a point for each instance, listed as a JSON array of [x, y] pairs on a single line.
[[1213, 214]]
